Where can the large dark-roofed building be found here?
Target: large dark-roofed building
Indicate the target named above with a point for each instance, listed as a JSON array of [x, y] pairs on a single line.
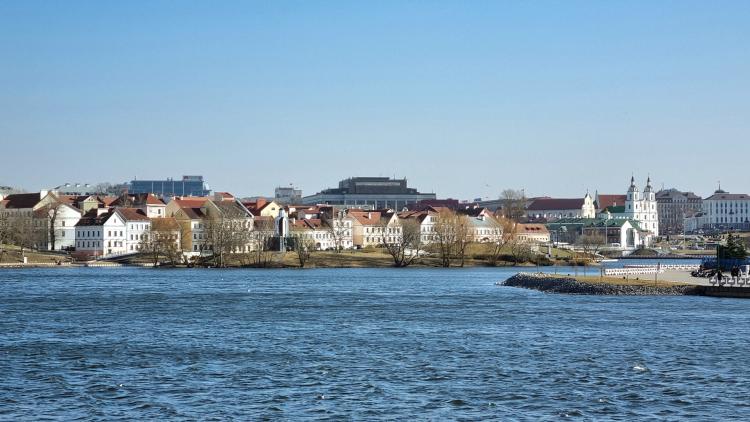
[[371, 193], [188, 186]]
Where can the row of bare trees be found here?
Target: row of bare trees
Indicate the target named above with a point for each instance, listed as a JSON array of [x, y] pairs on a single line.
[[22, 231], [450, 238]]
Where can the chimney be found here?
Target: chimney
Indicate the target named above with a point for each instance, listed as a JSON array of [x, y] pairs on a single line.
[[100, 211], [369, 215]]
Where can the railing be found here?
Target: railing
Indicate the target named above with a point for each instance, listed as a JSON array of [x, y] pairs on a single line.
[[741, 281], [632, 271], [33, 264], [671, 267], [69, 264]]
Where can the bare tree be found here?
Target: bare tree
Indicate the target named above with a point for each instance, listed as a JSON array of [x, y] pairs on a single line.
[[5, 233], [464, 236], [262, 236], [505, 233], [520, 250], [51, 210], [405, 245], [590, 243], [304, 245], [227, 231], [161, 242], [514, 204], [103, 188], [26, 231], [452, 234], [337, 228]]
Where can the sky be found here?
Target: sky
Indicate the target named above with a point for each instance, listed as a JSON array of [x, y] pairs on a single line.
[[464, 99]]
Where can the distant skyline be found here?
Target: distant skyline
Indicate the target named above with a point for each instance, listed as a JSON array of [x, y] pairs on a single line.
[[462, 99]]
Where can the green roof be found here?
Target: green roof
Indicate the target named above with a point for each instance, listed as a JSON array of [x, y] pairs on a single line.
[[620, 209], [592, 222]]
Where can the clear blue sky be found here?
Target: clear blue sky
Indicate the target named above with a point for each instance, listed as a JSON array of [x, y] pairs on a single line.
[[463, 98]]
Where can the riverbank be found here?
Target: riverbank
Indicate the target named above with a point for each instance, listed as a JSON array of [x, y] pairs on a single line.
[[367, 258]]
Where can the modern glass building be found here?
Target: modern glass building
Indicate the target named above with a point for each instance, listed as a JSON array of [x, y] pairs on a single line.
[[188, 186], [370, 193]]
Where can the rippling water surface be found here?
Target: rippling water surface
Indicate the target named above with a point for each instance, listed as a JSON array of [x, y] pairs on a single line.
[[358, 344]]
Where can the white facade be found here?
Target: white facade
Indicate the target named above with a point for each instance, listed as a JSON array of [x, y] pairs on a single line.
[[137, 231], [97, 239], [643, 209], [114, 233], [485, 229], [724, 210], [65, 227], [156, 211], [552, 209]]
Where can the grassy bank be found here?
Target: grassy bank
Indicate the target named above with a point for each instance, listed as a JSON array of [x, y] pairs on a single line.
[[10, 254], [639, 281]]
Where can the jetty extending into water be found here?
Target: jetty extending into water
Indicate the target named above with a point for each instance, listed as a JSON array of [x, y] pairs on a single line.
[[607, 286]]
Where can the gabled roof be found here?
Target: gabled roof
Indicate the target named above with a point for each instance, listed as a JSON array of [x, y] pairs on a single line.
[[21, 200], [307, 224], [232, 209], [419, 216], [132, 214], [106, 200], [366, 218], [190, 201], [92, 219], [153, 200], [553, 204]]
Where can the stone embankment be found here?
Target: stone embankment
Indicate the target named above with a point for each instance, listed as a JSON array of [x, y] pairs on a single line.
[[569, 285]]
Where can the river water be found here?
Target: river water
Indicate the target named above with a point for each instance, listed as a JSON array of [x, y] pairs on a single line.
[[363, 344]]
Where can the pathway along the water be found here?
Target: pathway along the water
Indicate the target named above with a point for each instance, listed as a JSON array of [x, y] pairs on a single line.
[[390, 344]]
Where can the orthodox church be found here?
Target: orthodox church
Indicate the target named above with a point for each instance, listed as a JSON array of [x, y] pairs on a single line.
[[639, 207]]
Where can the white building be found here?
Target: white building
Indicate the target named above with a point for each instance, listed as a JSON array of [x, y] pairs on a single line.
[[486, 229], [727, 211], [552, 209], [617, 231], [425, 219], [119, 231], [137, 227], [322, 236], [62, 212], [695, 222], [643, 209]]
